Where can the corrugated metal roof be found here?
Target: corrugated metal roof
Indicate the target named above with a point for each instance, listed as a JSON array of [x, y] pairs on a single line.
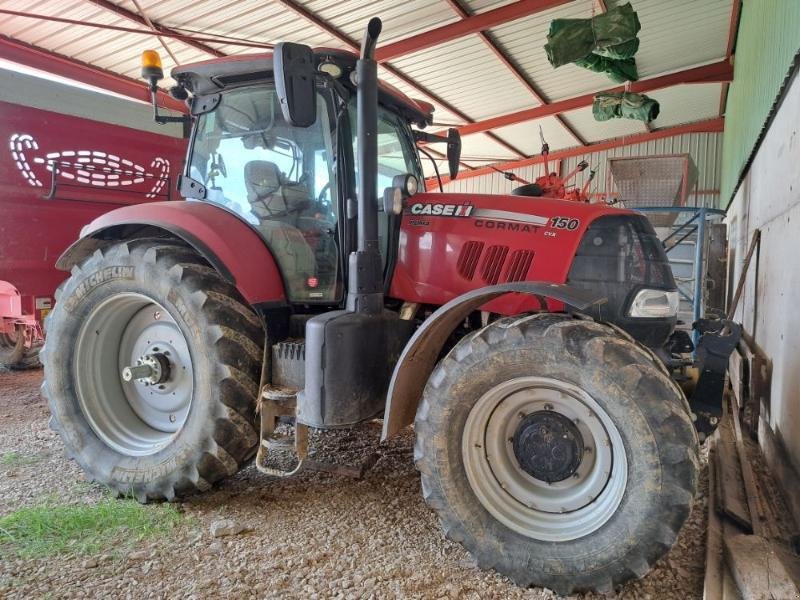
[[400, 19], [463, 73], [470, 76], [525, 136], [683, 103], [525, 39]]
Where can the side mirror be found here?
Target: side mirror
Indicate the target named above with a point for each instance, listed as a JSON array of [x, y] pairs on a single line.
[[453, 151], [293, 65], [403, 186]]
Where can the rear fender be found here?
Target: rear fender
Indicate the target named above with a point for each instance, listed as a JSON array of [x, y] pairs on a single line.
[[228, 243], [419, 357]]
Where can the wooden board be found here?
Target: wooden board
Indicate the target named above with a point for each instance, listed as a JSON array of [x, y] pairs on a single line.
[[731, 497], [714, 578], [757, 569], [736, 376]]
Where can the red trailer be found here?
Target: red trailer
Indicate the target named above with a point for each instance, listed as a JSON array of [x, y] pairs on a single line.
[[57, 173]]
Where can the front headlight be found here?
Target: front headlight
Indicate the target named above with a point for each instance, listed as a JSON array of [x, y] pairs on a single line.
[[655, 303]]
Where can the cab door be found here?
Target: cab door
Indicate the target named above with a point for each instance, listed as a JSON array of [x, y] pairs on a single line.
[[396, 156]]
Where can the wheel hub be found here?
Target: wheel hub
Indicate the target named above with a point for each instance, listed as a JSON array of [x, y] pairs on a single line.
[[150, 369], [544, 458], [134, 375], [548, 446]]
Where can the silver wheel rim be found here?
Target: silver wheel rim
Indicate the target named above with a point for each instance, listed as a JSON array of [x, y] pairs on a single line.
[[139, 416], [558, 511]]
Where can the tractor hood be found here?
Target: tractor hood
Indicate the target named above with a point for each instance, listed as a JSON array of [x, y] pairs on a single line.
[[451, 244], [535, 211]]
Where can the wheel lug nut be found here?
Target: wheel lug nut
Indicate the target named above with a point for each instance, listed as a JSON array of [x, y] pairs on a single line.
[[157, 315], [172, 418]]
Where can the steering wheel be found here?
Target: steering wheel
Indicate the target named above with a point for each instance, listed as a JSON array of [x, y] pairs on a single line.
[[219, 165], [324, 189]]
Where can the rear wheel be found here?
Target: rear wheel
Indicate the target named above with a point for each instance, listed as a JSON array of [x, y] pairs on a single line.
[[557, 451], [151, 369]]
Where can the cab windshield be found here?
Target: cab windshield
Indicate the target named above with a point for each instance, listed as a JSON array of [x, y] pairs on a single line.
[[279, 178]]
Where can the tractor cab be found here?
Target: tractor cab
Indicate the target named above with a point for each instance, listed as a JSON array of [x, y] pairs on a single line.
[[292, 183]]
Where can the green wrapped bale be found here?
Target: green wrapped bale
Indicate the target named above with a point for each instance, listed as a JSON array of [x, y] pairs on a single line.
[[619, 70], [624, 105], [605, 43]]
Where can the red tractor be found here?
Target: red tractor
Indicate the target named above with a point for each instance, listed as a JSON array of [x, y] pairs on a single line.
[[518, 334]]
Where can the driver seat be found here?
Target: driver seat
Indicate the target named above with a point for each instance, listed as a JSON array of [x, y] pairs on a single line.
[[269, 195], [277, 213]]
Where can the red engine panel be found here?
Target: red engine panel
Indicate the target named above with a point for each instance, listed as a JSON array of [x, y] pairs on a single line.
[[100, 166], [453, 243]]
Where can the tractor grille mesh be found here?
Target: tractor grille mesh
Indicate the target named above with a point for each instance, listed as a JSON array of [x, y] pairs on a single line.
[[468, 259], [518, 265], [493, 263]]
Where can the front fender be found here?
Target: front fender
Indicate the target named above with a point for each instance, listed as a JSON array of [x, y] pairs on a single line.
[[419, 357], [227, 242]]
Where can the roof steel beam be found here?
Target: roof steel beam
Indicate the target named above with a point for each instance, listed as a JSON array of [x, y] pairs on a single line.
[[733, 30], [142, 20], [149, 32], [57, 64], [311, 17], [710, 126], [515, 71], [713, 73], [474, 24]]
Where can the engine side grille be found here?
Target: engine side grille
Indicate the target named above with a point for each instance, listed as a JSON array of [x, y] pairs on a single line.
[[468, 259], [518, 265], [493, 263]]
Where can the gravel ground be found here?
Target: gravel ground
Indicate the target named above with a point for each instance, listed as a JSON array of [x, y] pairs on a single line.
[[313, 536]]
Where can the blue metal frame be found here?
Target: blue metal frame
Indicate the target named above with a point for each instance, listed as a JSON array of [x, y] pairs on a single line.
[[701, 215]]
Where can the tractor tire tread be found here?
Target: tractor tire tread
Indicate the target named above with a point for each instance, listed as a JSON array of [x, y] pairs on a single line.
[[233, 335], [602, 346]]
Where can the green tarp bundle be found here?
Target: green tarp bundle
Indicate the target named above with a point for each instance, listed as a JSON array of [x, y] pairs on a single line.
[[605, 43], [624, 105]]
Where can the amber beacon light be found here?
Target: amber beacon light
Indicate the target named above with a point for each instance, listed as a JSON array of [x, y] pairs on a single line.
[[151, 67]]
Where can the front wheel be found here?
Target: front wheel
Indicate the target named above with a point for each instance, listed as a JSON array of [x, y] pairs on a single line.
[[558, 451], [151, 370]]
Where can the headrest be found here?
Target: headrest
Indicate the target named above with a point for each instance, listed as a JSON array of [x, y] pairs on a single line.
[[261, 178]]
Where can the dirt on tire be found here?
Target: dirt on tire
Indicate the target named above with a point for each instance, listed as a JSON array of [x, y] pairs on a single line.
[[225, 341], [660, 442]]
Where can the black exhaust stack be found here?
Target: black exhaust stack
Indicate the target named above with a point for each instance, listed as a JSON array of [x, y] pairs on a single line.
[[365, 293], [350, 354]]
